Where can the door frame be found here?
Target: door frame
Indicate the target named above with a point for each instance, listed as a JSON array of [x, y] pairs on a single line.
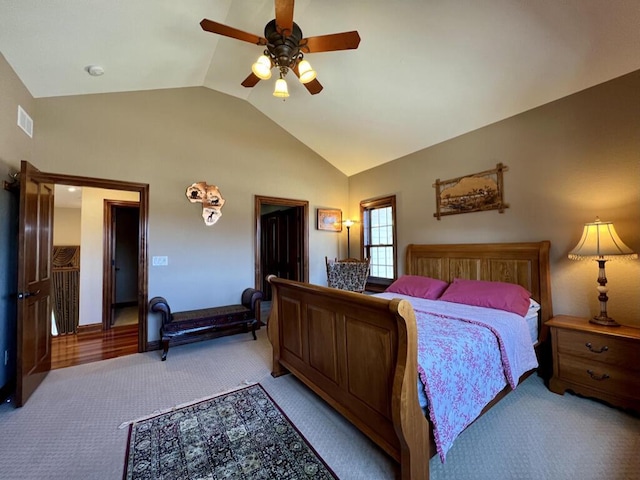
[[143, 235], [260, 201], [108, 257]]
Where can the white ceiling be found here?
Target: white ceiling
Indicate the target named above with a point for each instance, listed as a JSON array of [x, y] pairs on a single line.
[[426, 70], [66, 196]]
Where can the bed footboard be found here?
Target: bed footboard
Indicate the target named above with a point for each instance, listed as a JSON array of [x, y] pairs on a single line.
[[358, 353]]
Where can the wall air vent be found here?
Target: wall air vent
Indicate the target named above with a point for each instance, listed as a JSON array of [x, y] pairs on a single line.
[[25, 122]]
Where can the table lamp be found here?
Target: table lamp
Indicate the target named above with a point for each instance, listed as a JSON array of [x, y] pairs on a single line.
[[600, 242]]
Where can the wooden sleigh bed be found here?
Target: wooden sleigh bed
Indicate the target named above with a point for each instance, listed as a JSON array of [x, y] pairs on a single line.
[[359, 353]]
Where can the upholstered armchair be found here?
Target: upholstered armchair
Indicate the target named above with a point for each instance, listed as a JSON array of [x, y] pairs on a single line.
[[350, 274]]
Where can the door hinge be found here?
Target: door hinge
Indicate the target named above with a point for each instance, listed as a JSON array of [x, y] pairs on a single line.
[[14, 184]]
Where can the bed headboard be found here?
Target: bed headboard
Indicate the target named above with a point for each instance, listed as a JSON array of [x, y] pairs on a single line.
[[526, 264]]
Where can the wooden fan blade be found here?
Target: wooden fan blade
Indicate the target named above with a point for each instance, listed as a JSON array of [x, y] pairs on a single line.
[[220, 29], [284, 15], [250, 81], [330, 43], [314, 86]]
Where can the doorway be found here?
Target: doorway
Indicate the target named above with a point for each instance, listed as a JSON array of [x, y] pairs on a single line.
[[137, 248], [120, 266], [282, 241]]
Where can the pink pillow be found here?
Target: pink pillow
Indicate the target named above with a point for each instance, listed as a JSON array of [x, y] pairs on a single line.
[[499, 295], [416, 286]]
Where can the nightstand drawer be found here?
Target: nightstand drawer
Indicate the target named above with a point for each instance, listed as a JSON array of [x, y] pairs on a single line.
[[601, 348], [601, 376]]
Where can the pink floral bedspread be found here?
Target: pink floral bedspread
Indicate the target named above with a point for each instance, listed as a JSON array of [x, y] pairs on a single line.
[[466, 355]]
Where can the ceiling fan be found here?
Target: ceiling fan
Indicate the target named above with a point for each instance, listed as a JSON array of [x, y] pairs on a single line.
[[285, 48]]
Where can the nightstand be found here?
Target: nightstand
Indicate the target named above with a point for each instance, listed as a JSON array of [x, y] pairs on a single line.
[[596, 361]]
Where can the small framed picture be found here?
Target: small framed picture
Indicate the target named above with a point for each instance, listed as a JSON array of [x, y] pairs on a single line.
[[329, 219]]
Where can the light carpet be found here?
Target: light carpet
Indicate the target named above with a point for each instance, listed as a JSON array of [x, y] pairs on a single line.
[[69, 428]]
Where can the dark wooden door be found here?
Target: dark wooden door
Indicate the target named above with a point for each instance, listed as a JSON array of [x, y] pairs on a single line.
[[126, 255], [281, 247], [35, 238], [121, 251]]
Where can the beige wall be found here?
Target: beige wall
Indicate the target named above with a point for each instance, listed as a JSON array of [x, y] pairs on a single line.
[[568, 161], [172, 138], [91, 250], [15, 145], [66, 226]]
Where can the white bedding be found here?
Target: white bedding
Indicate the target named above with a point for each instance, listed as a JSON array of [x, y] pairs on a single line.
[[532, 323]]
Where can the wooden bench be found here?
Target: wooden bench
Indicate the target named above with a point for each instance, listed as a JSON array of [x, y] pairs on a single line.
[[213, 322]]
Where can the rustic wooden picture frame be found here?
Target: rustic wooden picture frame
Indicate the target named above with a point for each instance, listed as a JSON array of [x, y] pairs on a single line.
[[471, 193], [329, 219]]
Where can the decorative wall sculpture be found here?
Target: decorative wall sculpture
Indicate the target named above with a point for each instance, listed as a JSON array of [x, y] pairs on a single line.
[[471, 193], [210, 198]]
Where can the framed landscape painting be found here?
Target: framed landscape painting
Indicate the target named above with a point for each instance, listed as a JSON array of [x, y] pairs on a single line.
[[329, 219], [472, 193]]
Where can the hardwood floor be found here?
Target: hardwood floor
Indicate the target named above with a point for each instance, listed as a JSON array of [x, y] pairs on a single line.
[[87, 347], [69, 350]]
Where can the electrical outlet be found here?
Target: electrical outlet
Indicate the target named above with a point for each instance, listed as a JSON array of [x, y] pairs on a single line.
[[160, 261]]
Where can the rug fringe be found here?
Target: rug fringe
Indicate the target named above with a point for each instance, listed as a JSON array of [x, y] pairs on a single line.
[[155, 413]]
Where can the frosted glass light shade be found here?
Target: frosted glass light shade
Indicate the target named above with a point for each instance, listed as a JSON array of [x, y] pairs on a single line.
[[600, 241], [281, 90], [307, 74], [262, 68]]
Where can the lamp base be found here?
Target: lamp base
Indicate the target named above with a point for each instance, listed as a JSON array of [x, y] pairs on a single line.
[[604, 320]]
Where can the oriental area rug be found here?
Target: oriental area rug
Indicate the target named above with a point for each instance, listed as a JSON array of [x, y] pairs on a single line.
[[241, 434]]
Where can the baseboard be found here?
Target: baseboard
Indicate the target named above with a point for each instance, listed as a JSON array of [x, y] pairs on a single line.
[[125, 304], [91, 328]]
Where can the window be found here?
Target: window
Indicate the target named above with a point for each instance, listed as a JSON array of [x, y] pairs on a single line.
[[379, 240]]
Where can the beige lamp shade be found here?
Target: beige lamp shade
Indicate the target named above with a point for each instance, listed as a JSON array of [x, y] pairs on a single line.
[[281, 89], [262, 68], [600, 241], [307, 74]]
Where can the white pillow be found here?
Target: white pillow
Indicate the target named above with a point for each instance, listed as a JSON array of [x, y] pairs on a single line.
[[533, 307]]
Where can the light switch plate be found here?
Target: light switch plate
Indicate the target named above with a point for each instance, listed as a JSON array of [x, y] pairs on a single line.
[[160, 261]]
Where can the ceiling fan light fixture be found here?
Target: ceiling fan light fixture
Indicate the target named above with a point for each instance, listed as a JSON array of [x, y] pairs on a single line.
[[284, 46], [307, 74], [262, 68], [281, 90]]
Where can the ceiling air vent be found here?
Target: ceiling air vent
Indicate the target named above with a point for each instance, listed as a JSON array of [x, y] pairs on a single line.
[[25, 122]]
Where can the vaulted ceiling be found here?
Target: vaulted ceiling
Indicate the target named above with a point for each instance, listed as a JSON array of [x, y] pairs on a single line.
[[425, 71]]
